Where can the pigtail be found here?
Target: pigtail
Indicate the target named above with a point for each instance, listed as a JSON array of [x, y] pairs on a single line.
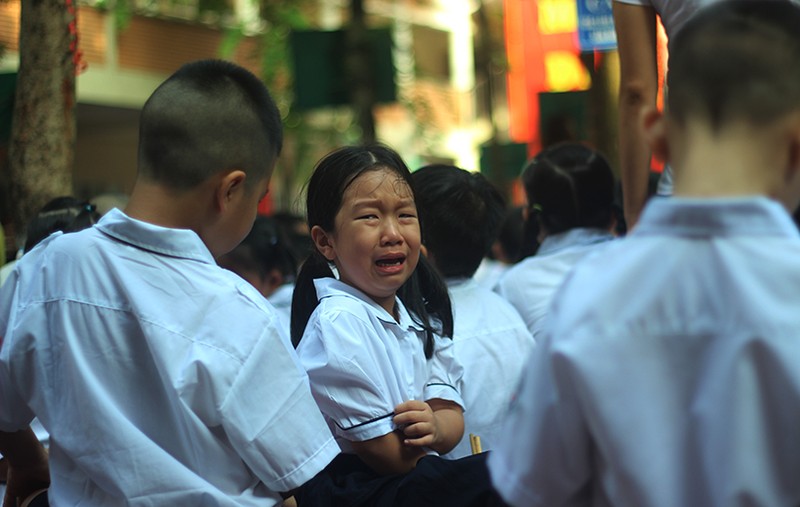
[[304, 298], [426, 297]]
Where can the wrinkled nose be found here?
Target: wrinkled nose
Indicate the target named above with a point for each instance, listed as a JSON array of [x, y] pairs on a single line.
[[391, 233]]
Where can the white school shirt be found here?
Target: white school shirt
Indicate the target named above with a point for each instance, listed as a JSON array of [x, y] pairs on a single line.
[[362, 363], [162, 378], [492, 344], [530, 284], [671, 374], [281, 300]]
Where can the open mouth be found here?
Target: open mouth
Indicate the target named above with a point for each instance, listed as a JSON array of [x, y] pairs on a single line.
[[393, 261]]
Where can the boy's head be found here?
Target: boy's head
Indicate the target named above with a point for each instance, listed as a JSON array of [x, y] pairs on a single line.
[[209, 116], [569, 186], [460, 214], [736, 61]]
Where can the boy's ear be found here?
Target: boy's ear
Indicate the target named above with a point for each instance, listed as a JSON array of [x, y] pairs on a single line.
[[324, 243], [229, 188], [654, 124]]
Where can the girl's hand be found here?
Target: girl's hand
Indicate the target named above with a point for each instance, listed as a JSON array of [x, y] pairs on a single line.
[[417, 422]]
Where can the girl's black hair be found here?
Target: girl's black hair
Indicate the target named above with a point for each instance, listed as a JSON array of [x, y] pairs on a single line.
[[570, 185], [424, 294]]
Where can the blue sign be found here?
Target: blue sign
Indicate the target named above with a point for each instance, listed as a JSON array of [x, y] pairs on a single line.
[[596, 25]]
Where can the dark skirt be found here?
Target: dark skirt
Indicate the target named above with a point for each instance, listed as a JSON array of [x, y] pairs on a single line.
[[349, 482]]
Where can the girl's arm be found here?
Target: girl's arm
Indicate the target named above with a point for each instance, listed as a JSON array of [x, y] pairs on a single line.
[[437, 423], [388, 455]]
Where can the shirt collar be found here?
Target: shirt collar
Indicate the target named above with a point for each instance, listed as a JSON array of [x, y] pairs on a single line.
[[183, 243], [461, 283], [581, 236], [327, 287], [729, 216]]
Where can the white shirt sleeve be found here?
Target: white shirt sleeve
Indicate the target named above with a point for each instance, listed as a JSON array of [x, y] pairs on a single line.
[[272, 420], [635, 2], [14, 412], [445, 373], [354, 385]]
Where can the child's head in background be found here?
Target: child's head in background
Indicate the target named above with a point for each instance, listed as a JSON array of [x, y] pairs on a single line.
[[569, 186], [363, 220], [263, 258], [461, 215]]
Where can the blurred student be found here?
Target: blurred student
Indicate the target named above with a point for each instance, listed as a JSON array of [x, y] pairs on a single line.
[[687, 393], [570, 193], [264, 259], [460, 213], [506, 249], [162, 378], [65, 214]]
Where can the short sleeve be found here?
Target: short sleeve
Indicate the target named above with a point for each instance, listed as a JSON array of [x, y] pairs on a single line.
[[14, 412], [445, 373], [272, 420], [351, 377]]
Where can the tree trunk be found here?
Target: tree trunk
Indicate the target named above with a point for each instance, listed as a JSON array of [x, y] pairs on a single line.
[[42, 146]]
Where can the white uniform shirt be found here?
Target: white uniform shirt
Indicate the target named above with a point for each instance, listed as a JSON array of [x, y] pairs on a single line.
[[492, 344], [281, 300], [362, 363], [671, 376], [530, 284], [162, 378]]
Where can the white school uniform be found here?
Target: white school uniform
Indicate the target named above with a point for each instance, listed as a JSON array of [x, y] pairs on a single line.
[[492, 344], [162, 378], [530, 284], [281, 300], [671, 372], [362, 363]]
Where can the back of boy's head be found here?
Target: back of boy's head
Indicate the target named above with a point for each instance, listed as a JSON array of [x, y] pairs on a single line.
[[570, 186], [264, 249], [460, 214], [209, 116], [65, 213], [737, 60], [424, 293]]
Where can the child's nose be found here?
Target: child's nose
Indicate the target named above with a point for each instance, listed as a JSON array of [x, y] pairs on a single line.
[[391, 233]]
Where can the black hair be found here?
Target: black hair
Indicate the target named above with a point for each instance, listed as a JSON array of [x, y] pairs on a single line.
[[265, 248], [460, 213], [736, 60], [568, 186], [512, 234], [209, 116], [66, 214], [424, 294]]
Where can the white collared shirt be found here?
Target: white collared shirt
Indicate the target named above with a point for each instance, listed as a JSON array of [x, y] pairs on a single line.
[[161, 378], [362, 362], [671, 374], [492, 344], [281, 300], [530, 284]]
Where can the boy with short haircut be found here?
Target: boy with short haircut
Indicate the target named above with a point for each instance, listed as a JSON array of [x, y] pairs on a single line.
[[689, 393], [460, 213], [162, 378]]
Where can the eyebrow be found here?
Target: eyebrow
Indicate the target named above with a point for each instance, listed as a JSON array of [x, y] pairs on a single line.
[[372, 202]]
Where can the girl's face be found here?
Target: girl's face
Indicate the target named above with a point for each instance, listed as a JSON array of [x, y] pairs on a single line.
[[375, 243]]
